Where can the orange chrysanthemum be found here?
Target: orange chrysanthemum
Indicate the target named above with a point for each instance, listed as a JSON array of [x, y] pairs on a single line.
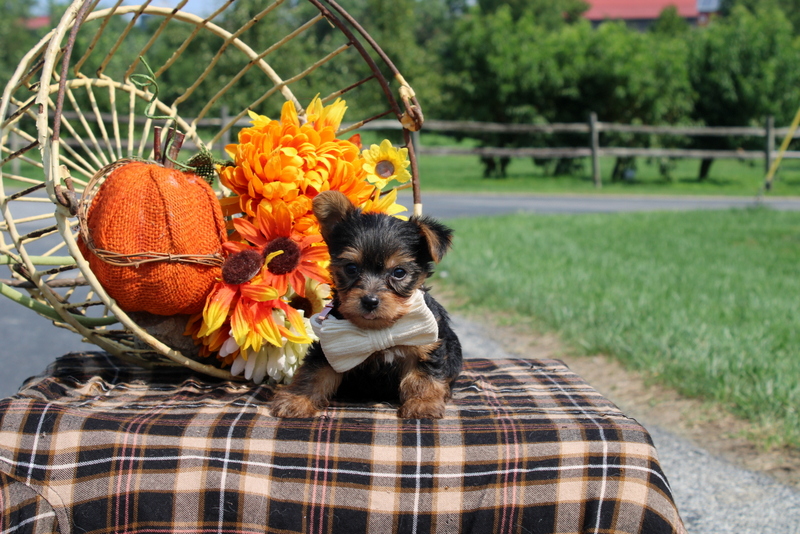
[[284, 160]]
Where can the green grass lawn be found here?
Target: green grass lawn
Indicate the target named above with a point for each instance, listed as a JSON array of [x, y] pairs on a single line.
[[705, 302], [727, 177]]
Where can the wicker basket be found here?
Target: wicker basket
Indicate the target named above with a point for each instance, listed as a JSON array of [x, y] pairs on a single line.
[[74, 105]]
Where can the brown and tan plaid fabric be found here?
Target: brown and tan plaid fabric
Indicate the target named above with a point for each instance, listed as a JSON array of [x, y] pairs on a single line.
[[98, 446]]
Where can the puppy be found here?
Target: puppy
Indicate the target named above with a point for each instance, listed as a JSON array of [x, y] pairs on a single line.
[[386, 338]]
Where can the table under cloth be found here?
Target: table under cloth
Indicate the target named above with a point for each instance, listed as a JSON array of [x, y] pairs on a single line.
[[96, 445]]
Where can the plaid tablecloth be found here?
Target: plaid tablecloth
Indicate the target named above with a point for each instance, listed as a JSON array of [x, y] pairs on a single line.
[[98, 446]]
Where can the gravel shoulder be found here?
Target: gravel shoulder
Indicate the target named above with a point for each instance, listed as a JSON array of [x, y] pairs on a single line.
[[721, 481]]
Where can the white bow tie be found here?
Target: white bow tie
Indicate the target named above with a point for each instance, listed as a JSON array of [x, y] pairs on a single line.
[[345, 345]]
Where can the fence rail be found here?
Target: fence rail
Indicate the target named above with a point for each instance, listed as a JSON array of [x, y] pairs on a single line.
[[593, 128], [592, 149]]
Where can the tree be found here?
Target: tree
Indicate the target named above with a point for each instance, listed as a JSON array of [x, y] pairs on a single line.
[[549, 13], [434, 23], [492, 64], [790, 7], [743, 67], [624, 76], [669, 23], [507, 69], [15, 38], [392, 25]]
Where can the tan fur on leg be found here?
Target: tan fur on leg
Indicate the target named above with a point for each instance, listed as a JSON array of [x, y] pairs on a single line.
[[422, 396], [307, 394]]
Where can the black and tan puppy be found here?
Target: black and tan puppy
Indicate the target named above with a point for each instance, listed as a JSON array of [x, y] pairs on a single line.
[[378, 265]]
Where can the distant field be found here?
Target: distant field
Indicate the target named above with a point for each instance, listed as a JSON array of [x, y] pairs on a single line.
[[705, 302], [728, 177]]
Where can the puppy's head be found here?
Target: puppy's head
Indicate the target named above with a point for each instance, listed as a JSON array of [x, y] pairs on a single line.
[[377, 261]]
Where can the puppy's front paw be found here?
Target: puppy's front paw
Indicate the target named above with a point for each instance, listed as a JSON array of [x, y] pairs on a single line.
[[422, 409], [286, 404]]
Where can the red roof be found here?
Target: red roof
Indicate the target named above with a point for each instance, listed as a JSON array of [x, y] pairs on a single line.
[[37, 22], [637, 9]]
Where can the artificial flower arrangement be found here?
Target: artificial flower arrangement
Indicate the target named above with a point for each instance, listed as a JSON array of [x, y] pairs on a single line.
[[274, 277]]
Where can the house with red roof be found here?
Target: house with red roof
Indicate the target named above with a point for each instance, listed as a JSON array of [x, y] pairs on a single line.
[[36, 23], [641, 13]]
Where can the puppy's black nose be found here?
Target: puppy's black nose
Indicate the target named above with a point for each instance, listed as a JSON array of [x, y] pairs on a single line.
[[369, 302]]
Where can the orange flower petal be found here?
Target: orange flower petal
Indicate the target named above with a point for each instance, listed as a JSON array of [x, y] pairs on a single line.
[[217, 307], [296, 320], [259, 292], [249, 232], [242, 323], [298, 282], [265, 325], [315, 272]]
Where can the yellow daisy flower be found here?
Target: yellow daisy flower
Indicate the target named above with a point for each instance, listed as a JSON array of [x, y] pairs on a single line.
[[384, 204], [385, 163]]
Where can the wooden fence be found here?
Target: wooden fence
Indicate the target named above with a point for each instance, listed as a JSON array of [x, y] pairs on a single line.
[[593, 128], [592, 149]]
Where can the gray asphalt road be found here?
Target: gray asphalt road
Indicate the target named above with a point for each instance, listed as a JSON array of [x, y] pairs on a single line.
[[450, 205], [28, 341]]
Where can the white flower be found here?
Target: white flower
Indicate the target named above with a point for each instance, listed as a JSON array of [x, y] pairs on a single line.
[[277, 363], [229, 347]]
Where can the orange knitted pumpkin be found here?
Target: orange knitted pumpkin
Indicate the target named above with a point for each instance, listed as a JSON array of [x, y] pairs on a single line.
[[148, 211]]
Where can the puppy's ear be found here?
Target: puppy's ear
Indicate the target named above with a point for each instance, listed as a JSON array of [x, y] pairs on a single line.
[[436, 236], [331, 208]]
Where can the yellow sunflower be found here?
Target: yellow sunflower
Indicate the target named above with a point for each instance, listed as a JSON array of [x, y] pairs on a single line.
[[385, 163]]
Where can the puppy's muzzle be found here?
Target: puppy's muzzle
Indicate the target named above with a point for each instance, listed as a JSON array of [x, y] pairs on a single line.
[[370, 303]]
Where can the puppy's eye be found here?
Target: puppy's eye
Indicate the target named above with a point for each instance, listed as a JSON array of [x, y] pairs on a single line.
[[351, 269], [399, 273]]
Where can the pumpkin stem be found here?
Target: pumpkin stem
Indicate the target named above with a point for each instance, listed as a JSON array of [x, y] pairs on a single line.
[[157, 144], [174, 148], [167, 150], [144, 82]]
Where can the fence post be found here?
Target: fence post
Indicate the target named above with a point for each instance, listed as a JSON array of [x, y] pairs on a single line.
[[415, 141], [770, 144], [594, 135], [15, 145]]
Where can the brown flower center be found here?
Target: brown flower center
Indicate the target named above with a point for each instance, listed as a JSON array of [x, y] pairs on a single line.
[[286, 262], [302, 304], [242, 266], [384, 169]]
